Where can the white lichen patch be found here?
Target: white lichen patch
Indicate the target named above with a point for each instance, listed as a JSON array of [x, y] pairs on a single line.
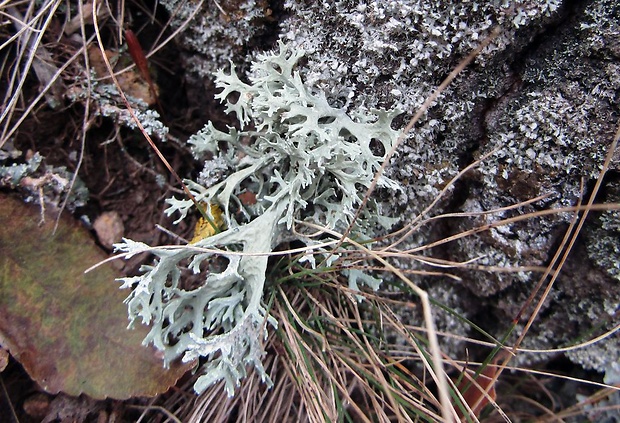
[[301, 159]]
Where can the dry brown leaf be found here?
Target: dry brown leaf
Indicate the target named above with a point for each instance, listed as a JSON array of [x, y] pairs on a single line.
[[67, 328]]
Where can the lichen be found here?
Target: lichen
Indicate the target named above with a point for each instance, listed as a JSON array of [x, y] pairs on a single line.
[[39, 182], [219, 31], [549, 135], [365, 54], [603, 235], [544, 94], [302, 159], [109, 104]]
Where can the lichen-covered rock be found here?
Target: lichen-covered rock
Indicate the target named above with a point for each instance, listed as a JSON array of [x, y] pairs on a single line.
[[543, 96], [552, 130], [602, 241], [221, 31]]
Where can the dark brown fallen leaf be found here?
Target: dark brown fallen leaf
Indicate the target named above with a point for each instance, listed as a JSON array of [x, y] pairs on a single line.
[[477, 395], [67, 328], [474, 395]]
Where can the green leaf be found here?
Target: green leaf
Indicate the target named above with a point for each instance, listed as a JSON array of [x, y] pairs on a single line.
[[67, 328]]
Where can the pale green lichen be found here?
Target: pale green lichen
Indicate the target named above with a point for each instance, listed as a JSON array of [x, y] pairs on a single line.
[[39, 182], [303, 160], [109, 104], [551, 70]]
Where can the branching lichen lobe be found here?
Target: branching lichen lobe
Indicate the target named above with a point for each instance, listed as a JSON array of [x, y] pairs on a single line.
[[301, 152]]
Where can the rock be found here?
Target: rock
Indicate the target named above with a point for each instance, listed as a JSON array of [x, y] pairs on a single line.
[[543, 96], [37, 405], [109, 228], [4, 359]]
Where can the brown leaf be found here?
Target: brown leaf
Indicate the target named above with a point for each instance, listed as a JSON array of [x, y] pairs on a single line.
[[247, 198], [67, 328], [477, 394]]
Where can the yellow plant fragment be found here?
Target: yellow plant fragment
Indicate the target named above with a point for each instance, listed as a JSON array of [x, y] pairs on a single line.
[[203, 228]]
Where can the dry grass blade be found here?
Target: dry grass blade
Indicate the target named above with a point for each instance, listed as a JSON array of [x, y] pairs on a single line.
[[435, 369], [315, 397], [86, 120], [346, 361], [370, 377], [507, 221], [30, 54], [157, 44]]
